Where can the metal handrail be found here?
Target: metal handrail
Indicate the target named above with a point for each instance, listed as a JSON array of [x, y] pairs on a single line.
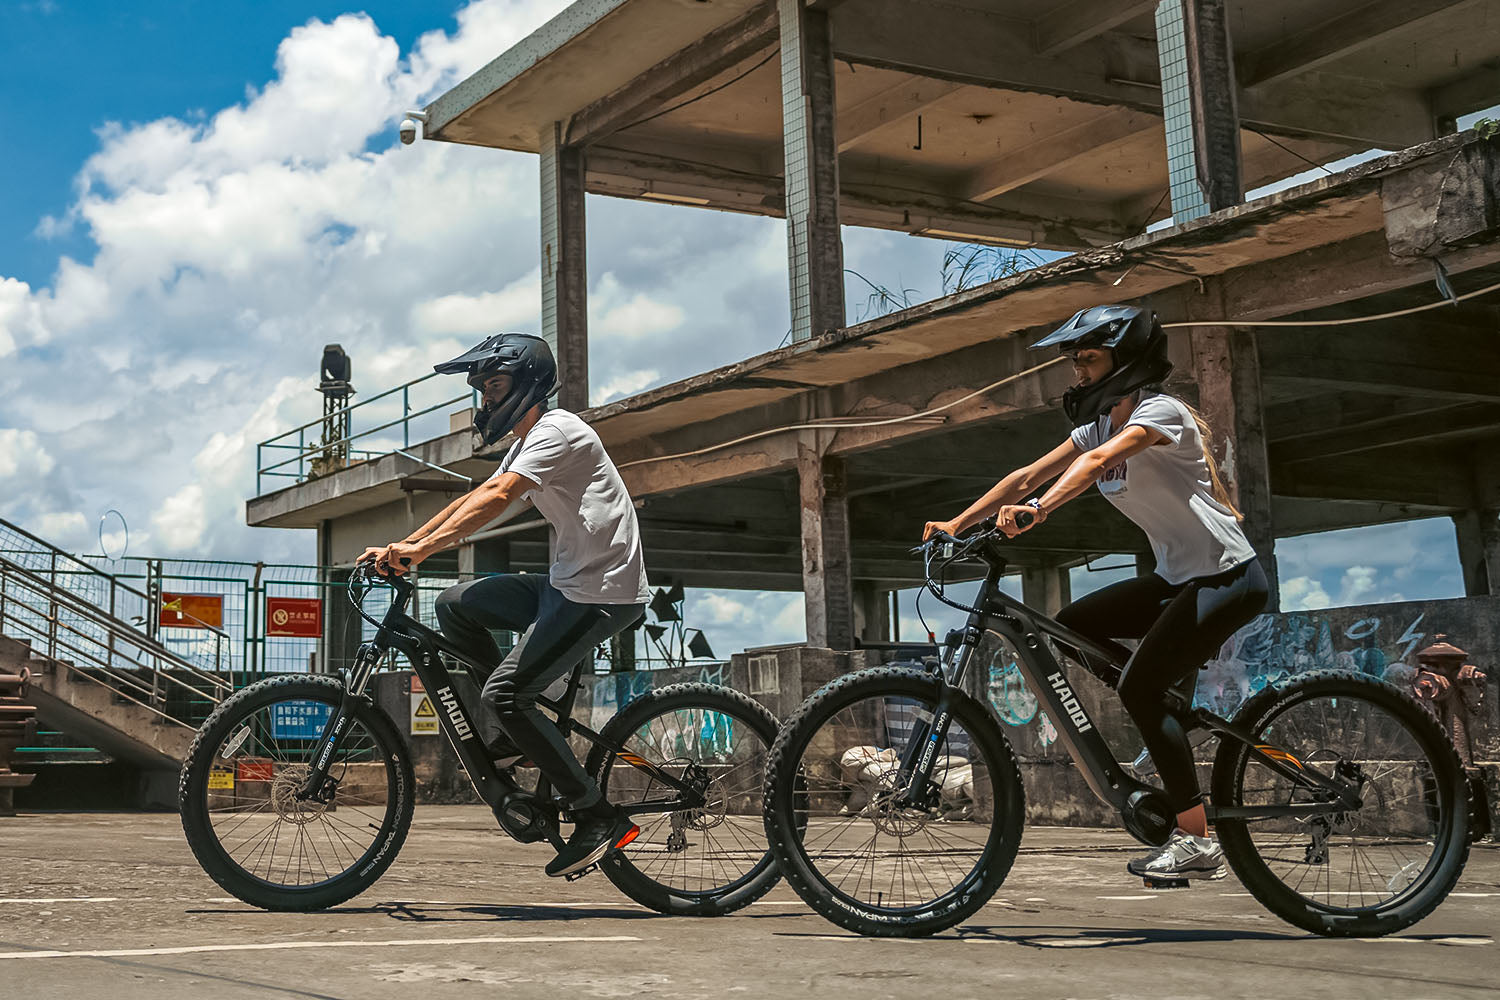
[[64, 610], [304, 450]]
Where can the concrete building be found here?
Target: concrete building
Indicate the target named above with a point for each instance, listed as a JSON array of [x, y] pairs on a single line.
[[1070, 126]]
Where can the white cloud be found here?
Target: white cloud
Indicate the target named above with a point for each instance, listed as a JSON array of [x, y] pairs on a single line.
[[182, 520], [623, 384], [614, 311], [517, 306], [22, 455], [1303, 593]]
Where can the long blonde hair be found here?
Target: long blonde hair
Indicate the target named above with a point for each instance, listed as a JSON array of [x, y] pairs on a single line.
[[1206, 438]]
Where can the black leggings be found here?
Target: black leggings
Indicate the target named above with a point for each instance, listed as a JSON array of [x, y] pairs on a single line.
[[1180, 627]]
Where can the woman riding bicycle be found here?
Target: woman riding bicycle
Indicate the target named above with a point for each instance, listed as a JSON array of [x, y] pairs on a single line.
[[1149, 453]]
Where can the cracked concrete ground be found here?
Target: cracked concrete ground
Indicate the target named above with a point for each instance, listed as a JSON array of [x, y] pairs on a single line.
[[465, 912]]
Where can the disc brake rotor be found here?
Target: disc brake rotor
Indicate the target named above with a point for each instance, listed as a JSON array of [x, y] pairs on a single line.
[[284, 787]]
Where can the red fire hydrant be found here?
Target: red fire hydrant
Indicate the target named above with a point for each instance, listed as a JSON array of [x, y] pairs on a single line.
[[1452, 689]]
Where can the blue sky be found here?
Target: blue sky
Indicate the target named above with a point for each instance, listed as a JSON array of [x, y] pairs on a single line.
[[197, 196]]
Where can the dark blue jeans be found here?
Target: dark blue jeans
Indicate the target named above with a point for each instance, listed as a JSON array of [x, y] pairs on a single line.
[[556, 634]]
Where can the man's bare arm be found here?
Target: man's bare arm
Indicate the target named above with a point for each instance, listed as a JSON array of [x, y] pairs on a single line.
[[474, 511]]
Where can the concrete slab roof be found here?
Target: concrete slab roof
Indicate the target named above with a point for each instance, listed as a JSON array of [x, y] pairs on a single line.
[[999, 119]]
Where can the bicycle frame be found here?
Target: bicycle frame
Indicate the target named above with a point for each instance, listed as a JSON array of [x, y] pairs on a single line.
[[1027, 632], [511, 804]]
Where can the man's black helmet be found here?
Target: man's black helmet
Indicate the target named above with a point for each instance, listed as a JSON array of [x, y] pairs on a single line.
[[1134, 338], [526, 359]]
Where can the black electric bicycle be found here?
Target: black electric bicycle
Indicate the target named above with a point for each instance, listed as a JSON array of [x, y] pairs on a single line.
[[894, 804], [297, 793]]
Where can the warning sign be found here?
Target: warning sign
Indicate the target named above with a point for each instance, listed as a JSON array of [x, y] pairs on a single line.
[[300, 617], [424, 721], [205, 611], [221, 778]]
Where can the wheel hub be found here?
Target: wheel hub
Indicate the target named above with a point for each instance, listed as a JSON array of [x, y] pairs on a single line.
[[285, 787]]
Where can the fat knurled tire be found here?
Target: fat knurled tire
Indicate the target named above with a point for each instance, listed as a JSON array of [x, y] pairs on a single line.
[[784, 824], [1451, 846], [198, 826], [618, 867]]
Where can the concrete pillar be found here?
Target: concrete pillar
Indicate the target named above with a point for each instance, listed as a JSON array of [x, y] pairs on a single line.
[[872, 612], [824, 495], [1199, 106], [1478, 534], [815, 250], [564, 270], [1046, 588], [1226, 366]]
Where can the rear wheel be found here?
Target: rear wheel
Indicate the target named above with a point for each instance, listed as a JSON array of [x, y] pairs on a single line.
[[1363, 872], [239, 804], [848, 843], [705, 861]]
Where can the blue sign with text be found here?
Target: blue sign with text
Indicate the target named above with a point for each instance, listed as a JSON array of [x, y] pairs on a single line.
[[299, 720]]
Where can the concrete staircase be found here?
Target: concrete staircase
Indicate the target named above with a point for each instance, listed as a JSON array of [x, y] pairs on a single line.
[[71, 700]]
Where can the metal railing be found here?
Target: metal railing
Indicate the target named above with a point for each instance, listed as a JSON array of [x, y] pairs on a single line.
[[95, 646], [299, 466]]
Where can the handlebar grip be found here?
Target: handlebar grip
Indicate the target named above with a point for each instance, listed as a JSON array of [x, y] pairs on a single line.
[[1025, 519]]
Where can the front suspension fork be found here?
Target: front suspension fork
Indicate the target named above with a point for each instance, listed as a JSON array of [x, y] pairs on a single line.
[[920, 755], [319, 786]]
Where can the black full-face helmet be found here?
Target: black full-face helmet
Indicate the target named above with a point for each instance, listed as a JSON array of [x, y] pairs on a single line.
[[526, 359], [1135, 340]]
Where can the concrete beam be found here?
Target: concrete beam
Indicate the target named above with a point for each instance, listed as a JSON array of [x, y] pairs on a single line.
[[1389, 357], [897, 105], [866, 199], [1474, 92], [1055, 152], [1070, 24], [718, 52], [1324, 41], [1417, 476], [1439, 424], [965, 45]]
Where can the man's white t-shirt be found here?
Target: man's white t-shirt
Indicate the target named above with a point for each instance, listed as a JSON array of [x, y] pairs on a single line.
[[1166, 491], [579, 491]]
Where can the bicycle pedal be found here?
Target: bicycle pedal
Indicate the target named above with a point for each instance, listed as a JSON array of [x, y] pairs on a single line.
[[580, 873], [1166, 883]]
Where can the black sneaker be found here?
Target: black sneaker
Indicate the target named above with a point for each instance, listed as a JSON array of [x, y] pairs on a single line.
[[506, 754], [597, 831]]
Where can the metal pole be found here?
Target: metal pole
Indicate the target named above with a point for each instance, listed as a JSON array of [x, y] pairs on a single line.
[[52, 609], [301, 453], [405, 417]]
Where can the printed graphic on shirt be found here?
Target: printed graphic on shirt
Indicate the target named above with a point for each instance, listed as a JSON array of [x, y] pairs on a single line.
[[1113, 481]]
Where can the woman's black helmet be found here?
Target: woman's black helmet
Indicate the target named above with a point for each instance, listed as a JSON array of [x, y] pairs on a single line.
[[526, 359], [1134, 338]]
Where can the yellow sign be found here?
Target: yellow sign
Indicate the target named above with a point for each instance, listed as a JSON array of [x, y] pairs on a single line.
[[221, 778], [424, 721]]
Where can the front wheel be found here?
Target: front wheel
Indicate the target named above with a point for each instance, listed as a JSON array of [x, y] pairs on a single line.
[[1355, 873], [703, 861], [239, 804], [853, 844]]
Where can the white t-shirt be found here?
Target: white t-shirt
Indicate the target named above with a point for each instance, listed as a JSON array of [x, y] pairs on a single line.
[[598, 558], [1166, 491]]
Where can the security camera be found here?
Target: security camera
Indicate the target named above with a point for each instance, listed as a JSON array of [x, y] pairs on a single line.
[[408, 132]]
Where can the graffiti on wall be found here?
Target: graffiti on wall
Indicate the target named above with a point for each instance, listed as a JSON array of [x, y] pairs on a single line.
[[690, 733], [1013, 702], [1273, 648]]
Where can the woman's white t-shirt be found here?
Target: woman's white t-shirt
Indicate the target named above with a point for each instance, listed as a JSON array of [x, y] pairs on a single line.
[[1166, 491], [598, 558]]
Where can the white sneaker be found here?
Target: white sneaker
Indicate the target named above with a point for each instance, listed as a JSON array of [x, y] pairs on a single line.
[[1184, 856]]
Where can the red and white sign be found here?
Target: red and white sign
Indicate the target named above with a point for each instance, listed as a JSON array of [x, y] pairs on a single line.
[[301, 617], [203, 611]]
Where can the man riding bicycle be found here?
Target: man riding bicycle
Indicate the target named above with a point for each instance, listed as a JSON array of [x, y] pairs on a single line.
[[595, 589], [1149, 453]]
